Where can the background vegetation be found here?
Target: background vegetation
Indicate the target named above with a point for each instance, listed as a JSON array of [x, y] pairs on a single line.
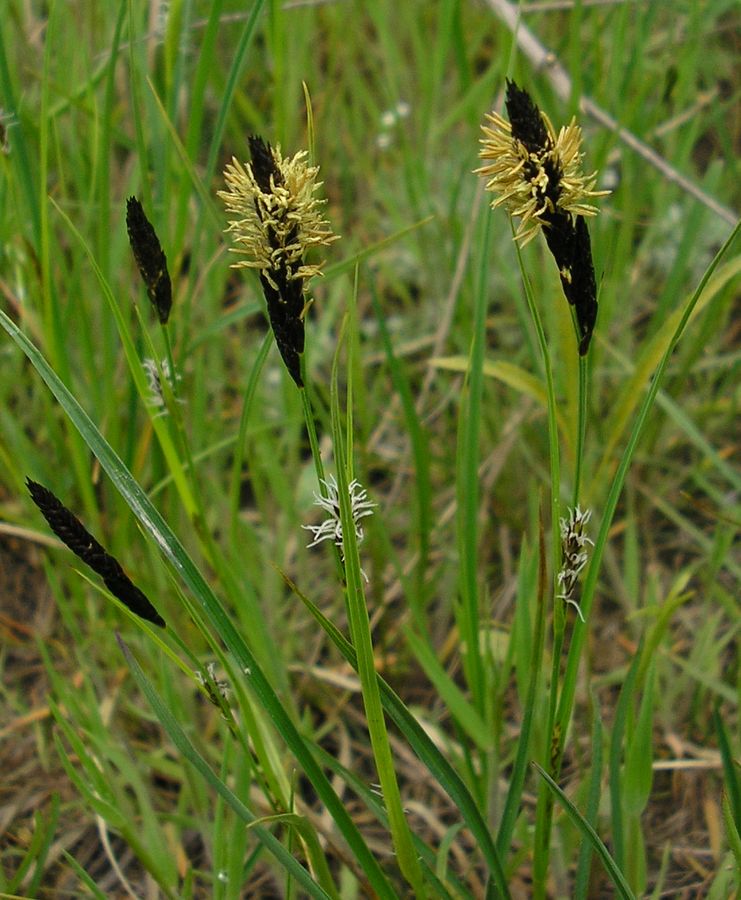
[[102, 101]]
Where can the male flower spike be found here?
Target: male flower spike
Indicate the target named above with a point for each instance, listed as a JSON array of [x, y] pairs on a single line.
[[277, 219], [538, 175]]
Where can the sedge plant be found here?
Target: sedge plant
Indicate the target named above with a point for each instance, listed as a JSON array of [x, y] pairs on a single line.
[[283, 565]]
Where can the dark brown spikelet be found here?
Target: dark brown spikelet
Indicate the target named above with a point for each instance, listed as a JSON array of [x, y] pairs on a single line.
[[150, 258], [526, 120], [275, 221], [284, 292], [74, 535], [284, 311], [583, 285], [566, 235], [263, 164]]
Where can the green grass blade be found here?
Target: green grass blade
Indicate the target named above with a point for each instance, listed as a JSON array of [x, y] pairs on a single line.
[[22, 156], [84, 877], [43, 835], [235, 72], [186, 748], [35, 853], [102, 799], [347, 265], [426, 751], [732, 832], [208, 206], [197, 95], [731, 777], [639, 756], [359, 785], [244, 419], [656, 352], [421, 455], [581, 881], [613, 872], [136, 75], [513, 376], [616, 754], [465, 714], [467, 486], [522, 757], [361, 636]]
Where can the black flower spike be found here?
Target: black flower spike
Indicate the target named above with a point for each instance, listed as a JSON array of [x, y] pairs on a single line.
[[278, 220], [526, 120], [583, 285], [264, 168], [538, 174], [73, 533], [283, 290], [572, 249], [150, 258]]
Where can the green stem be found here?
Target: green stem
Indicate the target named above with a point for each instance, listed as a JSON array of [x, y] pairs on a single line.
[[169, 355], [360, 634], [566, 702], [313, 437], [169, 390], [545, 801], [581, 428]]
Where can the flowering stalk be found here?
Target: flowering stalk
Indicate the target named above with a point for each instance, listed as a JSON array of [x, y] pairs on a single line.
[[278, 220], [150, 258], [217, 691], [574, 544], [539, 176], [331, 528], [152, 370], [74, 535]]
